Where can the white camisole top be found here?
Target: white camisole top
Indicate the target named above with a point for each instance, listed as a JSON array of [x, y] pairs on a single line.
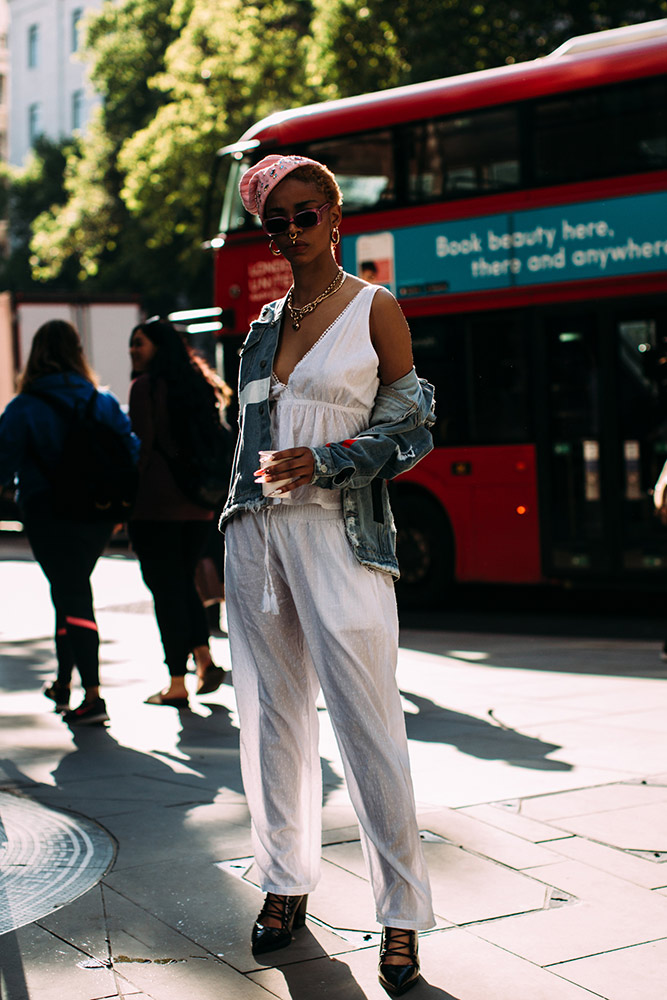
[[330, 394]]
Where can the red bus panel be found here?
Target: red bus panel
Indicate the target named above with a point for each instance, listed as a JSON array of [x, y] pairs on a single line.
[[490, 497]]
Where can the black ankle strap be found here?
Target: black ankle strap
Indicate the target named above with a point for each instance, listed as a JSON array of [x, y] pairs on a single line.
[[399, 942]]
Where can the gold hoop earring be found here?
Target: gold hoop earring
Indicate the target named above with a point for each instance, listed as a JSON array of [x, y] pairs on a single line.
[[276, 253], [335, 236]]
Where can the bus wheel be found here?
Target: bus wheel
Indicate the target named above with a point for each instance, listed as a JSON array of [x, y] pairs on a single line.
[[425, 548]]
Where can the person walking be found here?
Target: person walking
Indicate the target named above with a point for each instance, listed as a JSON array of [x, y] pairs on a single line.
[[56, 387], [168, 529], [326, 386]]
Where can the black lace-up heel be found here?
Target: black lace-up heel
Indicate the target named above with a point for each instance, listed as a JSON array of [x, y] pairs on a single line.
[[289, 910], [398, 943]]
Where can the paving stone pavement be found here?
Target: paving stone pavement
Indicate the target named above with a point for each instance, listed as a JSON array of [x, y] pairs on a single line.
[[540, 771]]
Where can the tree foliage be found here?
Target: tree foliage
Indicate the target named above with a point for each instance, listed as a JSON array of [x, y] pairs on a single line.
[[373, 44], [93, 229], [180, 78], [27, 192], [220, 74]]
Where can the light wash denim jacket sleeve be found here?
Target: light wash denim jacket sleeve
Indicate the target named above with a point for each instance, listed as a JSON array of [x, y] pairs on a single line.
[[397, 438]]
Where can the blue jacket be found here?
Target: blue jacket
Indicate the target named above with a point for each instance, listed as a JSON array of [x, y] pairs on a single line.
[[29, 425], [397, 438]]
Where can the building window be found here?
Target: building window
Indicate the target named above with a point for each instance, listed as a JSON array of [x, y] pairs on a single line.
[[77, 109], [34, 122], [75, 35], [33, 46]]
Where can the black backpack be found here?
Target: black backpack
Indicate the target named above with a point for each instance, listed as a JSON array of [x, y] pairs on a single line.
[[95, 477], [201, 452]]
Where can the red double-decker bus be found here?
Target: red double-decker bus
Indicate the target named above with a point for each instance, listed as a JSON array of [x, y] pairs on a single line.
[[519, 215]]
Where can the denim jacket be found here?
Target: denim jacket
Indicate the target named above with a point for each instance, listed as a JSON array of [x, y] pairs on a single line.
[[397, 438]]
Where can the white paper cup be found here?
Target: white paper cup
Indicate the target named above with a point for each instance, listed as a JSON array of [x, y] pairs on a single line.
[[266, 460]]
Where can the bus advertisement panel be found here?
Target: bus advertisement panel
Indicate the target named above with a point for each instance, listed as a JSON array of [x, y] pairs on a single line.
[[578, 241]]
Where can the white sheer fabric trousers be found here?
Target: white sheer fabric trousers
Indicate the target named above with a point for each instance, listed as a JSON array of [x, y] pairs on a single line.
[[337, 628]]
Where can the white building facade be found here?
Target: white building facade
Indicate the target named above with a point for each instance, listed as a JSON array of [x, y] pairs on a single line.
[[49, 92], [4, 79]]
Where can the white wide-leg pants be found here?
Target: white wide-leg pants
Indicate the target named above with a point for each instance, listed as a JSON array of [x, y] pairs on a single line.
[[336, 628]]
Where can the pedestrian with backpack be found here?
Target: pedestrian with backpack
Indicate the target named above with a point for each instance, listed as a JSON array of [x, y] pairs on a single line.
[[69, 448], [176, 407]]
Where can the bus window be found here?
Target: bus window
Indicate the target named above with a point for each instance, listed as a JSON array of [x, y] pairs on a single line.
[[439, 353], [641, 413], [499, 384], [363, 165], [453, 157], [234, 215], [573, 409], [637, 370], [574, 373], [479, 367], [601, 133]]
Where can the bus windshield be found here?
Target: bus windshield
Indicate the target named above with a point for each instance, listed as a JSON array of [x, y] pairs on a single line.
[[363, 165]]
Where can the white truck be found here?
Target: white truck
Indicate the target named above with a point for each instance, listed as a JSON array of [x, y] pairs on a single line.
[[104, 328]]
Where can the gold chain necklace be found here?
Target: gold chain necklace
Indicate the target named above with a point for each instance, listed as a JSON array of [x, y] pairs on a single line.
[[298, 314]]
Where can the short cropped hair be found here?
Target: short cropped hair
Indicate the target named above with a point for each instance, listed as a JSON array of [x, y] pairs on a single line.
[[322, 178]]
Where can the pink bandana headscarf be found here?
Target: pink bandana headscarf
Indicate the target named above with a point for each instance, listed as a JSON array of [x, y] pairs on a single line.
[[259, 181]]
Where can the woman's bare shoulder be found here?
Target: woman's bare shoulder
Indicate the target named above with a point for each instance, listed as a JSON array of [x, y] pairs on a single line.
[[390, 335], [362, 283], [358, 283], [385, 308]]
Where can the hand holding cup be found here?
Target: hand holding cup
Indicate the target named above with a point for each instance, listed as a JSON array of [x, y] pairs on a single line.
[[283, 471]]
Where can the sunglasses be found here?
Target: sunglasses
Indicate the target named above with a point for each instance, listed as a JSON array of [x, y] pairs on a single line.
[[302, 220]]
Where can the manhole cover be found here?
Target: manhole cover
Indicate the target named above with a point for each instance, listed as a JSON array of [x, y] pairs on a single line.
[[47, 859]]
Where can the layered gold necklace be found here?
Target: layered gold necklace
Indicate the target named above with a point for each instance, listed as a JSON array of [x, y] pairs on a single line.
[[298, 314]]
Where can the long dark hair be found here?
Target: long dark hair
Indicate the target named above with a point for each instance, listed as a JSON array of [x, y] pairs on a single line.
[[184, 372], [56, 348]]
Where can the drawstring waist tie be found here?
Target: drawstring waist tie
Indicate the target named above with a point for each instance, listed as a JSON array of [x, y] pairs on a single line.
[[304, 512]]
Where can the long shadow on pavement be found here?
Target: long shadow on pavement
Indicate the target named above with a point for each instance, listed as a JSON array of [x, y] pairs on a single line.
[[477, 738]]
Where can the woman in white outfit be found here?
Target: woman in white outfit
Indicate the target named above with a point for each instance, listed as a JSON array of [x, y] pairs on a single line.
[[327, 382]]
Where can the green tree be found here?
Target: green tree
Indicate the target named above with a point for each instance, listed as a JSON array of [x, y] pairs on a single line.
[[93, 228], [26, 192], [231, 63], [355, 48], [408, 41], [178, 80]]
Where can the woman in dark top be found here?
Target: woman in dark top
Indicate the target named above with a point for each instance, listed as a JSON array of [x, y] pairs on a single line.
[[167, 529], [32, 437]]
